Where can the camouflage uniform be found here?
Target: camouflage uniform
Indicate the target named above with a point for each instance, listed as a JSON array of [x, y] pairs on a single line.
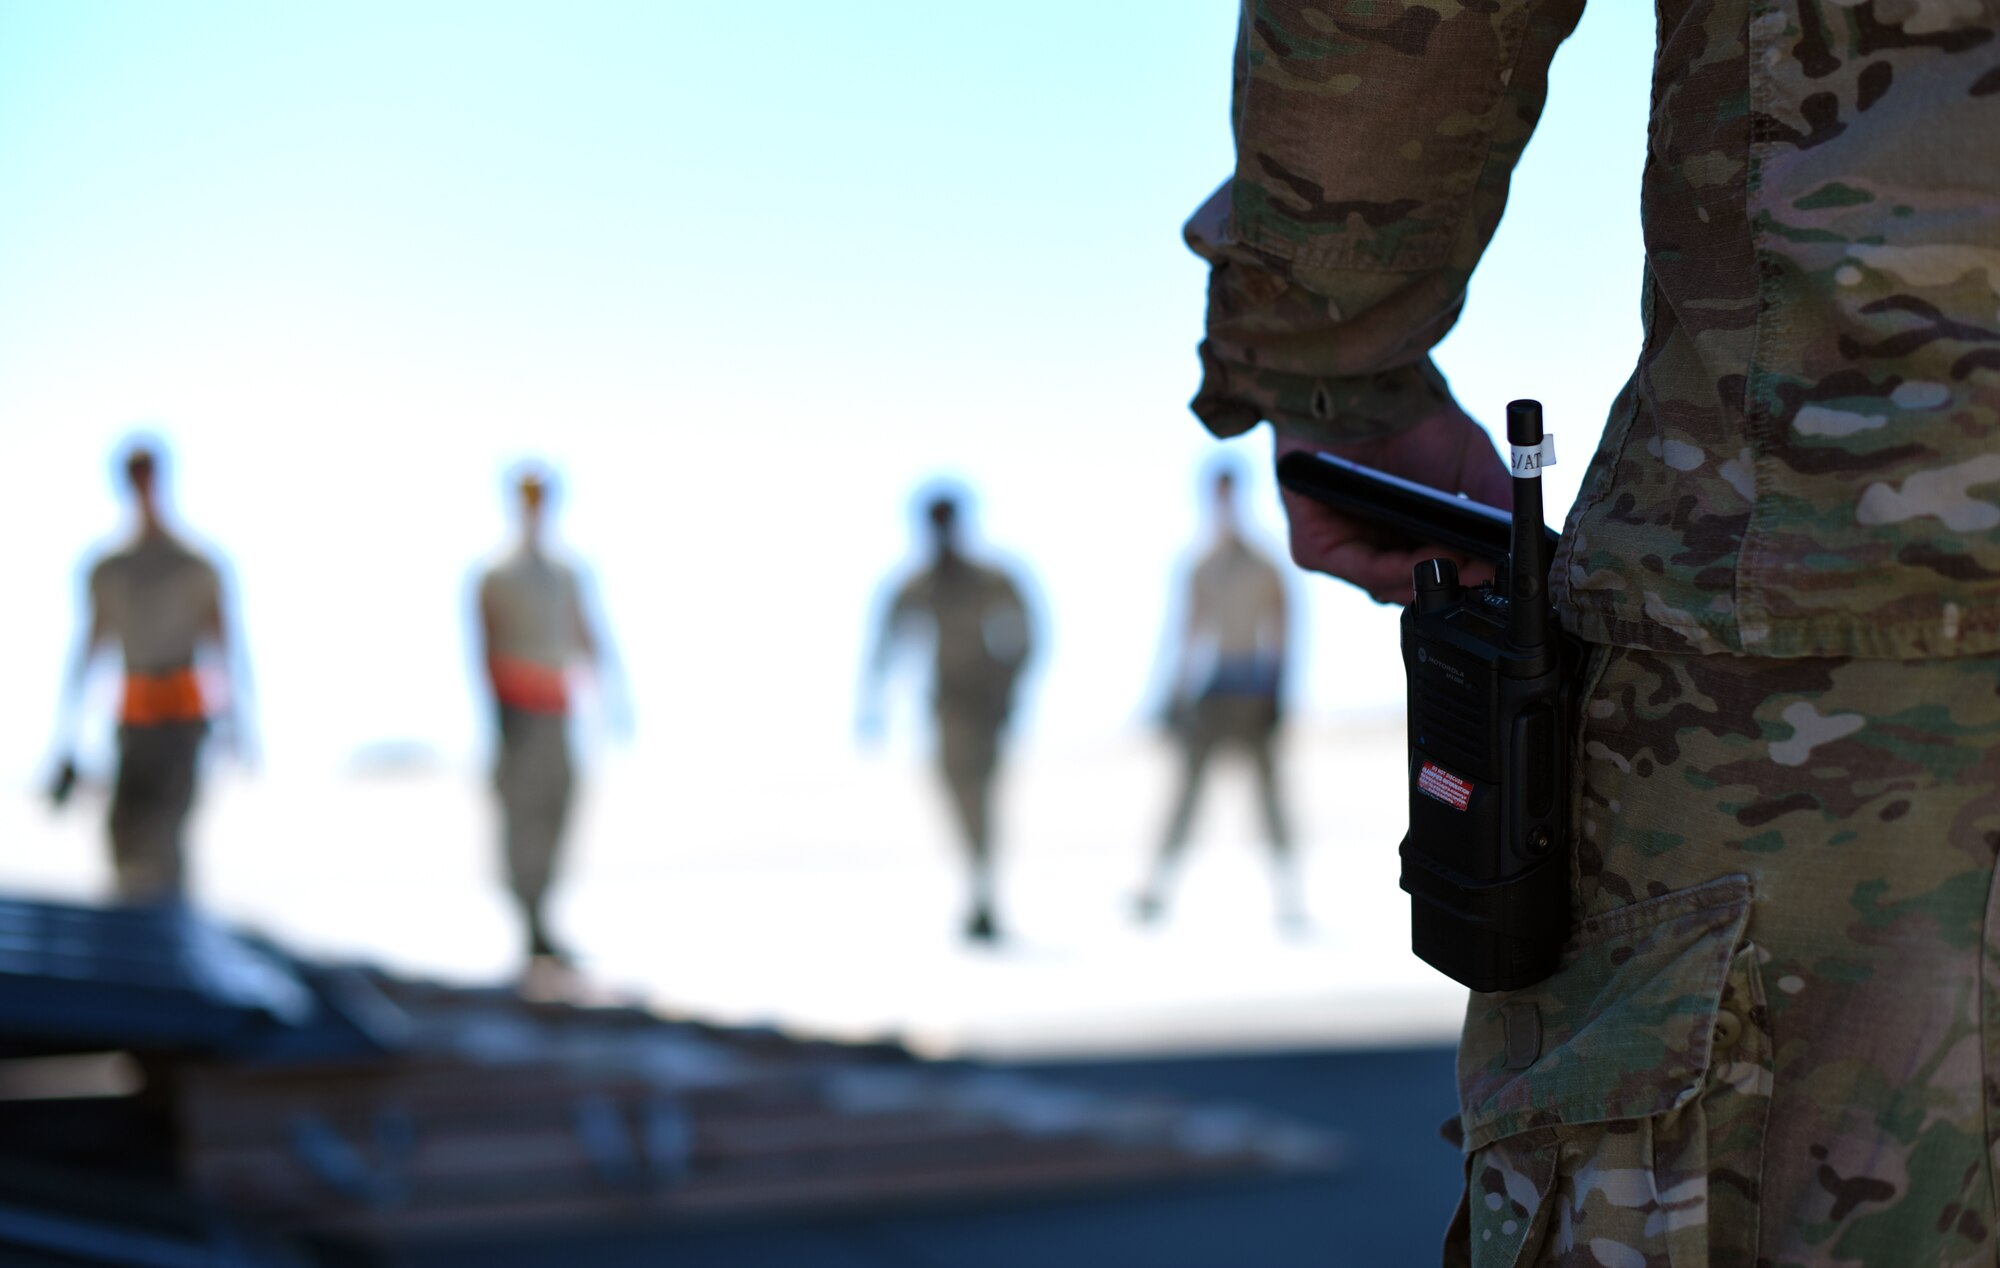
[[1768, 1042], [980, 640], [1236, 611]]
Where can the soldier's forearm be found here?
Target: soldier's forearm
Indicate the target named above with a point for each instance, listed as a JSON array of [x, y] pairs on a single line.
[[1372, 166]]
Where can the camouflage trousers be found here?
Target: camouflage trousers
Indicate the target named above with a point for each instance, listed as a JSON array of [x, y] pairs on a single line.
[[157, 770], [968, 756], [534, 780], [1215, 722], [1775, 1038]]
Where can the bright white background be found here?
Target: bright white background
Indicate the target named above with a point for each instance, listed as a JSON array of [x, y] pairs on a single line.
[[745, 274]]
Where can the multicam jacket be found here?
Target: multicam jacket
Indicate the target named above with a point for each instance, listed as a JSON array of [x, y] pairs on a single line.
[[1804, 462]]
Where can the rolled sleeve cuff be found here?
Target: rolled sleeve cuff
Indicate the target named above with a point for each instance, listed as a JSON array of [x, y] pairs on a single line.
[[1236, 394]]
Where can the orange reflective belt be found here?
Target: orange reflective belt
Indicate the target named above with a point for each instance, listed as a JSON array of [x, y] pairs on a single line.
[[522, 684], [151, 699]]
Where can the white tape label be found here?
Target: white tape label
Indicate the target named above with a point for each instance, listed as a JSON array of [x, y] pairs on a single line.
[[1530, 459]]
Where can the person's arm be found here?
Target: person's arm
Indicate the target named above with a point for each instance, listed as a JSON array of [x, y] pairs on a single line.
[[1373, 158], [485, 626], [1018, 621], [1180, 652], [225, 635], [594, 646], [1008, 626], [1278, 637], [69, 707], [875, 670]]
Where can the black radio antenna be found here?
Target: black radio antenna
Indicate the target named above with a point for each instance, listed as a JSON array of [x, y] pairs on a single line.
[[1528, 570]]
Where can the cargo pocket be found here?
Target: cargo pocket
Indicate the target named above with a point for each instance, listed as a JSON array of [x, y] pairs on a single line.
[[1616, 1110]]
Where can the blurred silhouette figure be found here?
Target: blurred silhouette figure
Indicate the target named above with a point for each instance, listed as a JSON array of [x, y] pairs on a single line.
[[1235, 636], [161, 601], [533, 629], [981, 637]]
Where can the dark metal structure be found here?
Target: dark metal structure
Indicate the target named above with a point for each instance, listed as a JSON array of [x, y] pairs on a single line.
[[174, 1093]]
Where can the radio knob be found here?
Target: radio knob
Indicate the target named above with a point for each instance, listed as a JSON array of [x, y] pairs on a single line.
[[1436, 584]]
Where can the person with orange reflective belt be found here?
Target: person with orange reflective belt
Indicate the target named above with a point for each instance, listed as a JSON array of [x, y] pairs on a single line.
[[533, 628], [161, 601]]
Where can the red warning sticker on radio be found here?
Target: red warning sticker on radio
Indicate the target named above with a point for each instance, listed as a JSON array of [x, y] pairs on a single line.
[[1436, 782]]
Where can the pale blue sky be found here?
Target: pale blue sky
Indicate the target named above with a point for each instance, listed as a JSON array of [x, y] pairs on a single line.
[[745, 273]]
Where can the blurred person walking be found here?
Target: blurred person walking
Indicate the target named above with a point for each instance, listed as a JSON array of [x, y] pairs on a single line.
[[1234, 639], [161, 601], [981, 636], [533, 630]]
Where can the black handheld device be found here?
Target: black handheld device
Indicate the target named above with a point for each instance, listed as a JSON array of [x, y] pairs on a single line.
[[63, 783], [1489, 673], [1404, 513]]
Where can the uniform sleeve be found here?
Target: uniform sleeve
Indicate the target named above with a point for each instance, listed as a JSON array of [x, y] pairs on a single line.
[[1373, 155], [1274, 613], [574, 582], [1011, 596], [912, 599], [103, 616], [211, 588], [1200, 595], [1015, 638]]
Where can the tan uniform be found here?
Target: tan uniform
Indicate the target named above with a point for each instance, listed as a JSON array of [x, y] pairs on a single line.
[[158, 599], [1236, 619], [981, 639], [534, 623]]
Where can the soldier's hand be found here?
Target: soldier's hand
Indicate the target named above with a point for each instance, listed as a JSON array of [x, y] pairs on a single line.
[[1447, 450], [62, 783]]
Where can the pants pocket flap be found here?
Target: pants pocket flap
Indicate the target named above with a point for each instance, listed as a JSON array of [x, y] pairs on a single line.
[[1623, 1030]]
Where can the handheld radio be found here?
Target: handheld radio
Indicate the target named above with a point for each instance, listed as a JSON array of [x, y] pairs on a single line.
[[1489, 672]]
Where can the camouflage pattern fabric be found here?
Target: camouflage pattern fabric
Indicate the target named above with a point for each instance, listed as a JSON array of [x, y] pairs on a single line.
[[1804, 462], [1375, 144], [968, 756], [981, 637], [1766, 1045], [980, 633], [1213, 722], [1767, 1042]]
